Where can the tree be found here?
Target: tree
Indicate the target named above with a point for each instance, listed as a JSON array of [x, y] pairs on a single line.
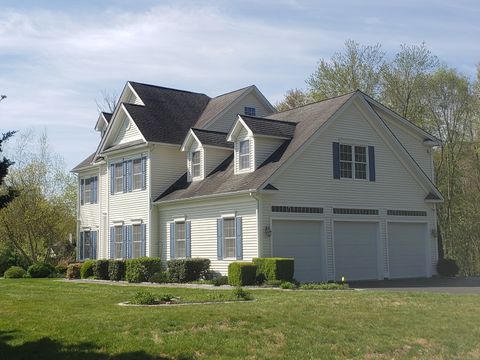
[[358, 67], [2, 97], [293, 98], [6, 194], [37, 223], [107, 102], [405, 81]]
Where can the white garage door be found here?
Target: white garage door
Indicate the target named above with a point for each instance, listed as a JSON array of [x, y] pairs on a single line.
[[407, 250], [301, 240], [356, 247]]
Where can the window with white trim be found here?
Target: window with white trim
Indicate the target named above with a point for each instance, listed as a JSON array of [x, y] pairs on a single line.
[[119, 177], [250, 111], [88, 191], [196, 159], [353, 162], [137, 174], [229, 238], [244, 155], [180, 240], [136, 241], [87, 245], [118, 242]]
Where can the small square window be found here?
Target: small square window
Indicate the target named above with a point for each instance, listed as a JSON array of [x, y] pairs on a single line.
[[353, 162], [244, 155], [250, 111]]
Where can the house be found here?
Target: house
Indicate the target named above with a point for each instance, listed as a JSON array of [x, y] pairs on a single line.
[[345, 185]]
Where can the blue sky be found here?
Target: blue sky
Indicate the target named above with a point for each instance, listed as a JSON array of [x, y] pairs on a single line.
[[56, 57]]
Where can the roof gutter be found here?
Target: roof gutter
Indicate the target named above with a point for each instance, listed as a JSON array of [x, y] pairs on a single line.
[[202, 197]]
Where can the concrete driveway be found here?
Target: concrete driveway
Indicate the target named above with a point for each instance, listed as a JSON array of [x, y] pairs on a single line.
[[459, 285]]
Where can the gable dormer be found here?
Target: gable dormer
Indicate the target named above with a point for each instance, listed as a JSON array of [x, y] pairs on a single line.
[[102, 122], [205, 151], [255, 139]]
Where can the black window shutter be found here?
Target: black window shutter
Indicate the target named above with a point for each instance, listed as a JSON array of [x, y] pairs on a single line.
[[371, 163], [336, 160]]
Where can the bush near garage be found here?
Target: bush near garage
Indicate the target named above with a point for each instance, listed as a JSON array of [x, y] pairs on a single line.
[[242, 273], [274, 269], [447, 267], [186, 270]]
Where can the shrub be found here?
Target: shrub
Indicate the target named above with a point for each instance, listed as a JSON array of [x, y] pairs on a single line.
[[273, 282], [8, 258], [241, 294], [73, 271], [14, 272], [186, 270], [40, 270], [116, 270], [241, 273], [159, 277], [288, 285], [220, 280], [100, 270], [447, 267], [142, 269], [270, 269], [61, 269], [86, 270], [324, 286], [143, 297]]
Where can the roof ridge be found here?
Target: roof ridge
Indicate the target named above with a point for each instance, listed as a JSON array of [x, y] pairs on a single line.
[[231, 92], [168, 88], [210, 131], [317, 102], [267, 119]]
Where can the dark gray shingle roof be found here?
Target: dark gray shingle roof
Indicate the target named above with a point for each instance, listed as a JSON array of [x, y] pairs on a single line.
[[270, 127], [84, 163], [213, 138], [309, 119], [107, 116]]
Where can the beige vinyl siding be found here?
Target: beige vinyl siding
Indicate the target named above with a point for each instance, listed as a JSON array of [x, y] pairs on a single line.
[[308, 181], [203, 216], [264, 147], [128, 131], [130, 206], [227, 120], [213, 157], [168, 164], [411, 141]]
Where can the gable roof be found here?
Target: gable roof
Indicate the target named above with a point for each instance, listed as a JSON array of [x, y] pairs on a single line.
[[269, 126], [218, 104], [107, 116], [88, 161], [308, 119], [212, 138]]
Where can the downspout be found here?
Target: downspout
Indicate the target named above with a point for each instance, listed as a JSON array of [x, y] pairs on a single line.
[[259, 227]]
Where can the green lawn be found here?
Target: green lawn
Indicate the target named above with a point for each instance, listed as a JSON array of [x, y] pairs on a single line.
[[46, 319]]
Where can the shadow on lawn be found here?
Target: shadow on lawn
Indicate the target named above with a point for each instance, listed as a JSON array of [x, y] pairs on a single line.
[[47, 348]]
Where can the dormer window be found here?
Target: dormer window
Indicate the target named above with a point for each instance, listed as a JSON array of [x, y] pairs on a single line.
[[196, 159], [244, 155], [250, 111]]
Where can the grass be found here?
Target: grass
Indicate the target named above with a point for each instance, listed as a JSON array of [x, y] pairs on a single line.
[[46, 319]]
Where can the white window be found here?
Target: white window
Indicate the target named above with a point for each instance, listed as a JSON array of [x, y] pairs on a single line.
[[180, 240], [353, 162], [118, 233], [195, 164], [137, 174], [88, 190], [119, 177], [136, 241], [229, 238], [244, 155], [250, 111], [87, 245]]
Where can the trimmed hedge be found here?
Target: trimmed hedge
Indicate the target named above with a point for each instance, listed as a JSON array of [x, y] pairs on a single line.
[[142, 269], [73, 271], [116, 270], [40, 270], [242, 273], [186, 270], [87, 269], [100, 270], [273, 269], [14, 272], [447, 267]]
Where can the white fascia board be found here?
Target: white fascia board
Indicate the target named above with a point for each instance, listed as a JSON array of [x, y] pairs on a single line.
[[233, 132], [135, 93], [101, 119], [264, 99], [209, 196], [188, 140]]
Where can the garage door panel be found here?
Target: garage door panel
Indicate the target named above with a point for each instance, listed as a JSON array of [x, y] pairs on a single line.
[[407, 250], [356, 252], [301, 240]]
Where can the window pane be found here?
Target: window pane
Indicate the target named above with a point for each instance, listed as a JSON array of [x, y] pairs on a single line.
[[360, 154], [244, 147], [137, 174], [118, 242], [137, 241], [87, 245], [229, 238], [229, 227], [244, 155], [180, 249], [118, 177], [345, 169], [229, 247], [137, 250], [360, 171], [345, 152]]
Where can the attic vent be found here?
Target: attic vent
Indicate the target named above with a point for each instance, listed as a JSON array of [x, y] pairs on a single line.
[[344, 211], [406, 213], [297, 209]]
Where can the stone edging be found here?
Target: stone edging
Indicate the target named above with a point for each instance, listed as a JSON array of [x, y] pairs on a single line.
[[127, 303]]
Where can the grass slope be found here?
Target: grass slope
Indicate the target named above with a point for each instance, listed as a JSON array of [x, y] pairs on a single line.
[[46, 319]]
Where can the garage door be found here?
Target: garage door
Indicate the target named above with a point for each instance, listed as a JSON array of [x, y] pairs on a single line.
[[355, 245], [301, 240], [407, 250]]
